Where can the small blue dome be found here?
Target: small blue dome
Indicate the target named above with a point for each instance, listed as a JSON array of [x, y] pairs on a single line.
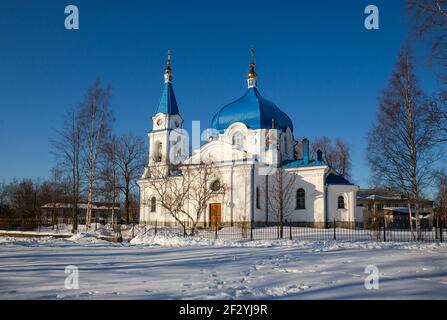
[[252, 110]]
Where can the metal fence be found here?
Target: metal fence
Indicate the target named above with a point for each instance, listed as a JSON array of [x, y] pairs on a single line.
[[336, 230]]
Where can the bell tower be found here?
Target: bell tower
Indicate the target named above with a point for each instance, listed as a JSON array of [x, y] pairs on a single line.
[[166, 119]]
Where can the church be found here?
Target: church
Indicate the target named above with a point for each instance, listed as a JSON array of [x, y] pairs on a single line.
[[258, 177]]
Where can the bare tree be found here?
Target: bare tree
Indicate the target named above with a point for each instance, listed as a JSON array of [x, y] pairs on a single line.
[[281, 196], [3, 198], [67, 150], [441, 199], [400, 149], [23, 198], [171, 191], [59, 191], [185, 191], [95, 119], [430, 24], [130, 159], [337, 156], [439, 117], [109, 175], [205, 183]]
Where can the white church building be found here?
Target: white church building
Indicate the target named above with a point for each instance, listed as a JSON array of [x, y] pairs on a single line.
[[252, 146]]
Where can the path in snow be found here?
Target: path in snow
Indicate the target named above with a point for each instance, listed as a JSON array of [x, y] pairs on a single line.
[[35, 270]]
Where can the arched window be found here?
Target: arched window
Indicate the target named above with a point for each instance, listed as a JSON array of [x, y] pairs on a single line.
[[258, 199], [300, 199], [158, 151], [153, 204], [341, 202], [238, 140]]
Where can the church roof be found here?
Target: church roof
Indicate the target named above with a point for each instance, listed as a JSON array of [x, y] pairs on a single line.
[[336, 179], [302, 163], [254, 111], [168, 104]]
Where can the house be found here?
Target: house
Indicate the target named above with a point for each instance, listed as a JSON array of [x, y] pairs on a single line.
[[393, 205], [251, 144], [101, 211]]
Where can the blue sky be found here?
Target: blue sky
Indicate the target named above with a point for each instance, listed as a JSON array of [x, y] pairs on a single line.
[[315, 60]]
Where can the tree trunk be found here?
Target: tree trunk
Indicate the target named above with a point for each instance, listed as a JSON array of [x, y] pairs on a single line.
[[410, 217]]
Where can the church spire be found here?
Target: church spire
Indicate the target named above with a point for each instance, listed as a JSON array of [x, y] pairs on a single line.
[[168, 71], [251, 78], [168, 104]]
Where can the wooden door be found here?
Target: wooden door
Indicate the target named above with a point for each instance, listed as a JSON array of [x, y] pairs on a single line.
[[215, 214]]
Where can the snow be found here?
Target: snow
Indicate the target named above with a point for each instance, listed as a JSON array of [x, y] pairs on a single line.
[[170, 266]]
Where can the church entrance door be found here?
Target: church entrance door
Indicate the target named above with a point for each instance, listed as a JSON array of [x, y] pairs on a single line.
[[215, 214]]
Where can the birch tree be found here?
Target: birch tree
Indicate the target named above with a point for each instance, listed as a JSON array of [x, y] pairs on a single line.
[[400, 142], [96, 119]]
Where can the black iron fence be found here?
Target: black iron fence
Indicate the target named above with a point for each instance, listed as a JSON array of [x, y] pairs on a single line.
[[335, 230], [46, 224]]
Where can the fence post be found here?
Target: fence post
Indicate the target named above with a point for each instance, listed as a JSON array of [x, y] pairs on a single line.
[[290, 231], [440, 234], [251, 229], [184, 229], [156, 227], [335, 230], [215, 236], [384, 230], [133, 230]]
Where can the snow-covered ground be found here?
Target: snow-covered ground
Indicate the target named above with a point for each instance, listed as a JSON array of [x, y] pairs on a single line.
[[168, 266]]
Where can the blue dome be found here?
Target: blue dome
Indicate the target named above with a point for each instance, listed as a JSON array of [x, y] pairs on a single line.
[[252, 110]]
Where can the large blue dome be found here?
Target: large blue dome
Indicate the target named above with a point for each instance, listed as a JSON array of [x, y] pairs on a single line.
[[252, 110]]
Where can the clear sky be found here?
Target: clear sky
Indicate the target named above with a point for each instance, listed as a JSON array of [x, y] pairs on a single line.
[[314, 59]]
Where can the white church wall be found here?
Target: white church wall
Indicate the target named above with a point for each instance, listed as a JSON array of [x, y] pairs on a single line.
[[311, 179], [348, 192]]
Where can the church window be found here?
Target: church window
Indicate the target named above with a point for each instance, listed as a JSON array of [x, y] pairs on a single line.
[[300, 199], [158, 152], [215, 186], [153, 204], [238, 140], [258, 199], [341, 202]]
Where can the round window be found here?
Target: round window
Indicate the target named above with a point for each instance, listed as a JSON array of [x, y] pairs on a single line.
[[215, 186]]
